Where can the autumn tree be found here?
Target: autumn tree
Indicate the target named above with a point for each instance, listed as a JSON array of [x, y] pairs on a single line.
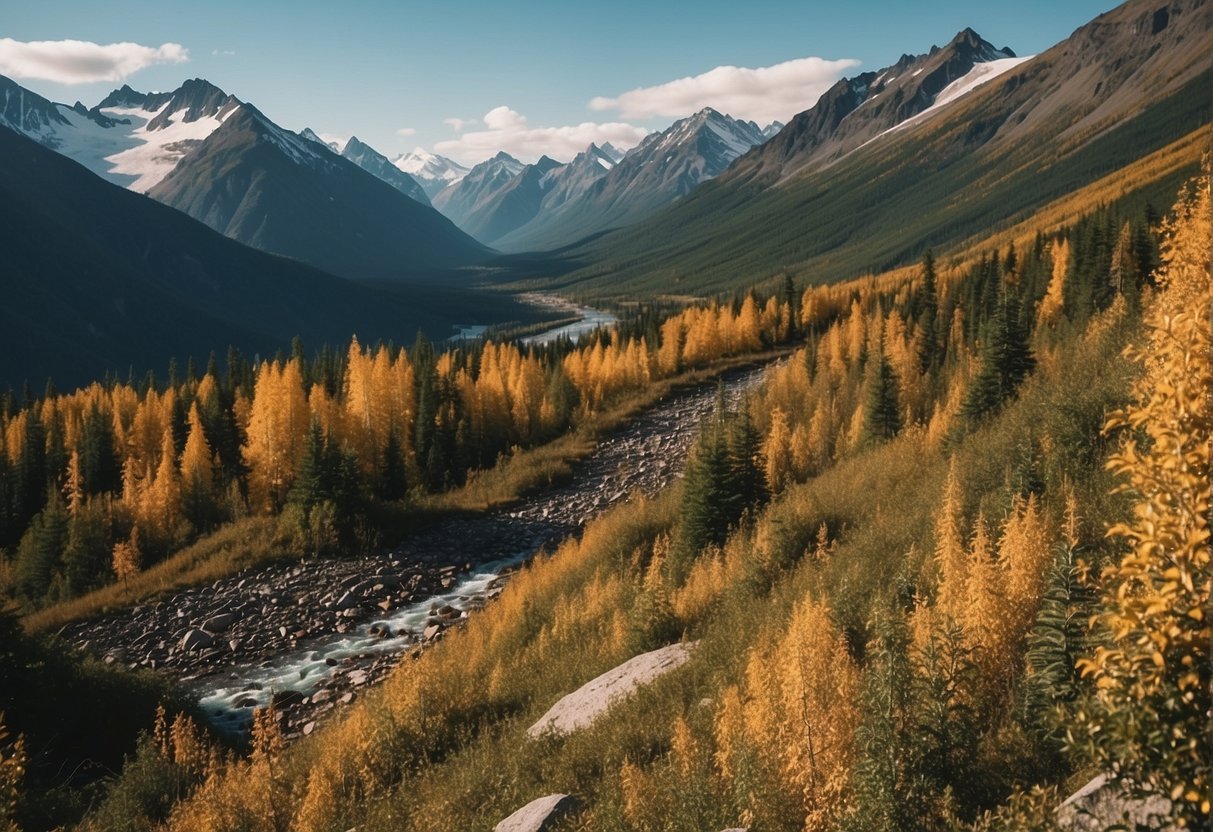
[[1147, 721]]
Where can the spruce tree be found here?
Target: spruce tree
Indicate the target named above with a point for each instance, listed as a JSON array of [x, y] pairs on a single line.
[[928, 311], [1006, 359], [881, 411]]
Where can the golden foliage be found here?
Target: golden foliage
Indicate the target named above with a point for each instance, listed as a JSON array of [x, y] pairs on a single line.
[[1152, 677]]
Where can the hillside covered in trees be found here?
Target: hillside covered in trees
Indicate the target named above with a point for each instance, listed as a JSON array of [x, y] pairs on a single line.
[[948, 562]]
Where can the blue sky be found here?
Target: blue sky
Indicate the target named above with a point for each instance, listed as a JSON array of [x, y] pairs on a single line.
[[376, 68]]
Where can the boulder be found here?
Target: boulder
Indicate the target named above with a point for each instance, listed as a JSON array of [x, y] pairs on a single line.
[[540, 814], [1106, 803], [580, 708], [197, 640], [219, 623]]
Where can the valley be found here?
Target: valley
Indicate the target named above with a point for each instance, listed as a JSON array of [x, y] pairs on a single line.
[[720, 419], [285, 633]]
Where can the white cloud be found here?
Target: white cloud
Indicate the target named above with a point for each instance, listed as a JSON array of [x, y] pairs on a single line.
[[457, 124], [508, 130], [406, 131], [82, 62], [765, 94], [223, 53]]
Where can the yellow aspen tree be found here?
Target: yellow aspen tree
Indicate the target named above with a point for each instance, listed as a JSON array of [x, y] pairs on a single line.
[[358, 415], [197, 461], [670, 351], [1054, 300], [1025, 553], [1149, 716], [980, 614], [127, 557], [818, 684], [164, 496], [748, 330], [74, 488], [777, 452], [950, 555]]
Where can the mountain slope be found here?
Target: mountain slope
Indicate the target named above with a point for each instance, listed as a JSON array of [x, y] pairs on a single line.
[[662, 168], [514, 203], [131, 138], [1130, 82], [97, 279], [274, 190], [376, 164], [461, 200]]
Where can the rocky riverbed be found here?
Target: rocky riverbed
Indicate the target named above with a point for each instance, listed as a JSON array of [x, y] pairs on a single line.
[[308, 636]]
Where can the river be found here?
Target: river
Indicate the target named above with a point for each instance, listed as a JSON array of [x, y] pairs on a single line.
[[309, 635]]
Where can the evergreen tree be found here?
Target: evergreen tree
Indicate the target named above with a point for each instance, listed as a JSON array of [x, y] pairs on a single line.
[[928, 312], [881, 410], [710, 499], [392, 477], [1006, 359], [41, 548], [745, 460], [100, 471]]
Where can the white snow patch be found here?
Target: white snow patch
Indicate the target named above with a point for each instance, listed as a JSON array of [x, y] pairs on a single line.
[[978, 75], [149, 155]]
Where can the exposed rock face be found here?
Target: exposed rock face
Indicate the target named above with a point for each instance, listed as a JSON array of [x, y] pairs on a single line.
[[580, 708], [540, 814], [1104, 803]]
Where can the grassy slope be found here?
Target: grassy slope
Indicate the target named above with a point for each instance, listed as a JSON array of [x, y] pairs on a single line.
[[442, 743]]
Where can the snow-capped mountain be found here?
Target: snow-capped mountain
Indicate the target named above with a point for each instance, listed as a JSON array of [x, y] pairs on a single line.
[[273, 189], [460, 200], [131, 138], [771, 129], [225, 163], [431, 171], [663, 167], [859, 109], [374, 163]]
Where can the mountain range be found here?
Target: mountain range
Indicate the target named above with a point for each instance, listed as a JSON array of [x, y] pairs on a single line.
[[223, 162], [99, 280], [927, 152]]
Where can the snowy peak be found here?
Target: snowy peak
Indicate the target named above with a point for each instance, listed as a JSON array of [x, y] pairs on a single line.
[[856, 110], [771, 129], [431, 171], [195, 100]]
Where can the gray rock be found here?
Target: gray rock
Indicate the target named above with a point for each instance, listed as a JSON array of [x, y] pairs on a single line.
[[540, 814], [197, 640], [1104, 803], [431, 632], [219, 623], [580, 708]]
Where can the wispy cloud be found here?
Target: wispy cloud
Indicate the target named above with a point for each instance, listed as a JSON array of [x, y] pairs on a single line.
[[406, 131], [457, 124], [223, 53], [763, 94], [81, 61], [508, 130]]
